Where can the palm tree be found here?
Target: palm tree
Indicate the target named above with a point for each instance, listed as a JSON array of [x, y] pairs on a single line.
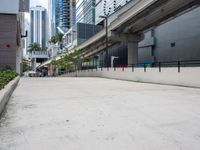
[[34, 47], [56, 38]]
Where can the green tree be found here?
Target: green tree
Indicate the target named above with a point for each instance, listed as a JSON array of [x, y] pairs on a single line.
[[34, 47], [6, 75], [68, 60], [56, 38], [44, 49]]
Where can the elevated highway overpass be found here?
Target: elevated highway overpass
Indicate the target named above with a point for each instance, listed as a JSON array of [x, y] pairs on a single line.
[[128, 23]]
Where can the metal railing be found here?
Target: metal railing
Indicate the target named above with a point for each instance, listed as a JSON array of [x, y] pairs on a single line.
[[39, 54], [159, 65]]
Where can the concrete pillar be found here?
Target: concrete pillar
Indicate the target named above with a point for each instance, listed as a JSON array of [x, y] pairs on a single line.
[[18, 61], [132, 53], [132, 40], [34, 64]]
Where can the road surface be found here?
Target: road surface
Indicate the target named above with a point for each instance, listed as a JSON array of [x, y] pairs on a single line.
[[100, 114]]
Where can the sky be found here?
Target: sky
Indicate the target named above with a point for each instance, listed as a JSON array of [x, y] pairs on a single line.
[[43, 3]]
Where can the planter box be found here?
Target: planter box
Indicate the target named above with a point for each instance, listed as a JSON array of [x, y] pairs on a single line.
[[6, 92]]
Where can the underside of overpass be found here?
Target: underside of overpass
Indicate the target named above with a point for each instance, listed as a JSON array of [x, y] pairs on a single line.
[[129, 26]]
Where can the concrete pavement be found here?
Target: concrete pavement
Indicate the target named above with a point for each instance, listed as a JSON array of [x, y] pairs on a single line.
[[100, 114]]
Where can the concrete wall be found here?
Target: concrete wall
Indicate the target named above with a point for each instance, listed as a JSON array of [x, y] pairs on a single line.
[[178, 39], [6, 92], [9, 6], [171, 76], [119, 50], [8, 40]]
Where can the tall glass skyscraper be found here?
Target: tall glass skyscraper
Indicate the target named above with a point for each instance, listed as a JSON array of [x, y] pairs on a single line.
[[38, 25], [85, 11], [64, 14], [73, 12], [53, 12]]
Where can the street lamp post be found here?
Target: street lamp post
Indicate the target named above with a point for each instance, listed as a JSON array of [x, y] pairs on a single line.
[[106, 24], [107, 63], [105, 17]]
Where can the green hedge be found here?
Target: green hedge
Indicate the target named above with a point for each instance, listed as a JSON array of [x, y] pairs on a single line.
[[6, 75]]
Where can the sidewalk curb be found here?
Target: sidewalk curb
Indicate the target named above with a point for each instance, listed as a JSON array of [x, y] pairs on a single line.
[[6, 92]]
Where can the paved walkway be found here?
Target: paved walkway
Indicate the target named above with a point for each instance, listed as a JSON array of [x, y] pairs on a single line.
[[100, 114]]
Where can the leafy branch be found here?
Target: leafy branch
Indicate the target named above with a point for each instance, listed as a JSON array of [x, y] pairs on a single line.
[[34, 47], [68, 60], [56, 38]]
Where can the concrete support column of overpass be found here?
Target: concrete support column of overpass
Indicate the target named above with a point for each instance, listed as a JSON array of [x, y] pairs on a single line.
[[132, 53], [132, 41]]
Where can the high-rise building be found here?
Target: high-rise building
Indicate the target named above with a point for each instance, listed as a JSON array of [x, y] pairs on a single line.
[[73, 12], [38, 25], [64, 15], [85, 11], [53, 12], [104, 7], [84, 28]]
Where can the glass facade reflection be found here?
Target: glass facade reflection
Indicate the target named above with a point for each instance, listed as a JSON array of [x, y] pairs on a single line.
[[85, 11], [53, 16], [103, 7], [79, 33], [64, 14], [73, 12]]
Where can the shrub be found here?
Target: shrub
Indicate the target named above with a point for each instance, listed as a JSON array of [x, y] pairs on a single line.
[[6, 75]]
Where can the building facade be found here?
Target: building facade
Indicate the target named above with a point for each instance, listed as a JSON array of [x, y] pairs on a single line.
[[85, 11], [38, 25], [12, 31], [104, 7], [83, 19], [64, 15], [175, 40], [79, 33], [53, 12], [73, 12]]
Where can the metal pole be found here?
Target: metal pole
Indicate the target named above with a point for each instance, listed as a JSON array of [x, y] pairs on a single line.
[[106, 41], [179, 67], [144, 67], [159, 66], [76, 70]]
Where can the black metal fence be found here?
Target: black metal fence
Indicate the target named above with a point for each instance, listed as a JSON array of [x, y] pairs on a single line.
[[159, 65]]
